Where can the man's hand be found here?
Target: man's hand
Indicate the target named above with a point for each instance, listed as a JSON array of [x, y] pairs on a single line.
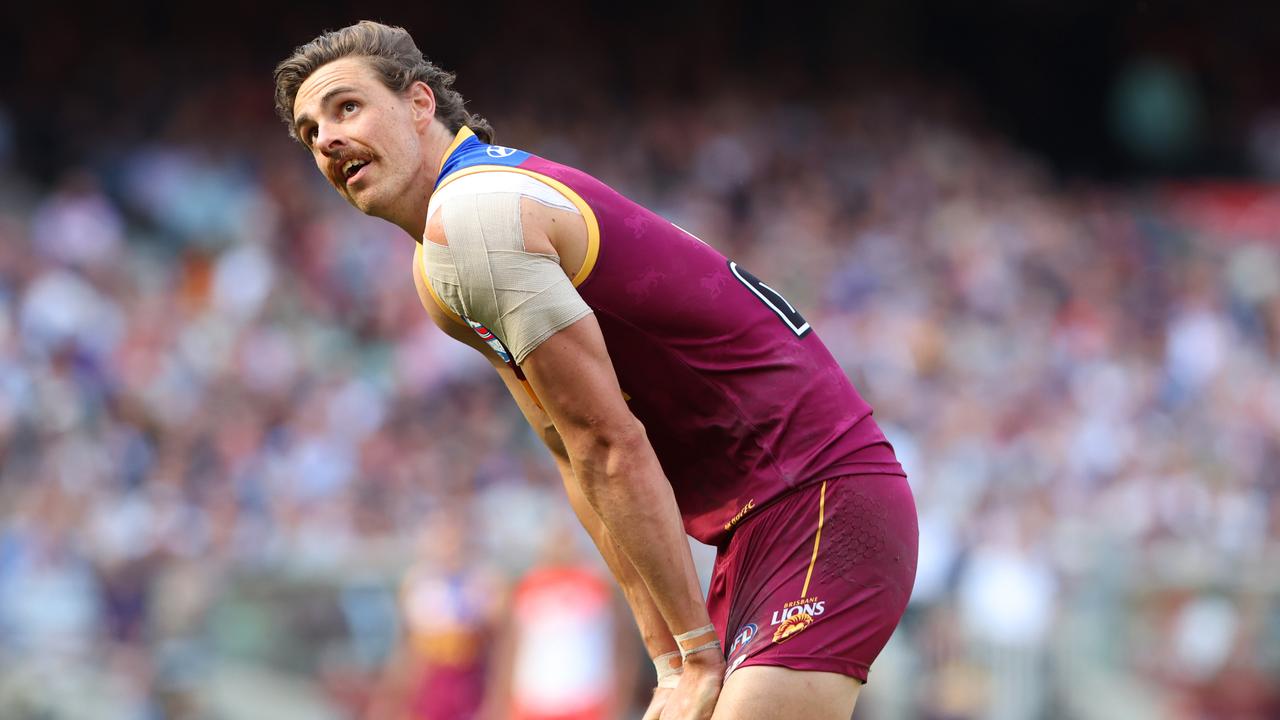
[[659, 701], [695, 697]]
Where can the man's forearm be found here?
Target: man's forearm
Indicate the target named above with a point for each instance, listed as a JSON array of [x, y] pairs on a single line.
[[620, 475], [624, 483], [654, 632], [657, 636]]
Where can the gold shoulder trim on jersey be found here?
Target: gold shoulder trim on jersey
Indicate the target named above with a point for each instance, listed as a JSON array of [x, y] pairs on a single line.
[[458, 139], [593, 225], [420, 266]]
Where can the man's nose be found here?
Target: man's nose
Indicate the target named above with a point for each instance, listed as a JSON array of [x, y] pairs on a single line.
[[329, 139]]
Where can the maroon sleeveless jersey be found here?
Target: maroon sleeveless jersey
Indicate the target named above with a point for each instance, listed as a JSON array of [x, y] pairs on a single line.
[[740, 399]]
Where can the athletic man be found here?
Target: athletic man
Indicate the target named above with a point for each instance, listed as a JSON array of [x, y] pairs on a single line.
[[669, 383]]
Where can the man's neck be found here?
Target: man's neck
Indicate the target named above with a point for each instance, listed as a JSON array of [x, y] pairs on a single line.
[[434, 146]]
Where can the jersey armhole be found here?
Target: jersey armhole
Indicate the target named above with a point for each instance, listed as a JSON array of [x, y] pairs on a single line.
[[420, 269]]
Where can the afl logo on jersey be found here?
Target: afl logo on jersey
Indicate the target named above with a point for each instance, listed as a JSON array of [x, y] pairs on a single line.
[[498, 151]]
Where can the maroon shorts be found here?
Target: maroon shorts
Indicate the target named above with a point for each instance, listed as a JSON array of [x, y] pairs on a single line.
[[818, 579]]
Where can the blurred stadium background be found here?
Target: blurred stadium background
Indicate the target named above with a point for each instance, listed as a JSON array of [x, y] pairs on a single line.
[[1042, 237]]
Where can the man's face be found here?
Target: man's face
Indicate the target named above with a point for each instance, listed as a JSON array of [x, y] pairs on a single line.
[[363, 136]]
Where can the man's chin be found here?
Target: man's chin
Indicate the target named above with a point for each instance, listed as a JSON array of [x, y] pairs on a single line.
[[364, 202]]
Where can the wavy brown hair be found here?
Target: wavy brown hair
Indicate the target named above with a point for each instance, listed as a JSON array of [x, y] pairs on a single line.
[[393, 55]]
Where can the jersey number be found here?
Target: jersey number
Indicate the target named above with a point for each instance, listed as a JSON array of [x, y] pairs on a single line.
[[773, 300]]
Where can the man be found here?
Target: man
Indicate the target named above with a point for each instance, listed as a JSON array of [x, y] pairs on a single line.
[[669, 383]]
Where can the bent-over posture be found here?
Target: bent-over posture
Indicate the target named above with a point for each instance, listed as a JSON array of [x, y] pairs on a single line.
[[677, 391]]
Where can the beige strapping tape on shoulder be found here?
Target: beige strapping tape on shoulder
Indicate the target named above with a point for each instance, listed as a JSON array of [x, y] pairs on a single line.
[[486, 275]]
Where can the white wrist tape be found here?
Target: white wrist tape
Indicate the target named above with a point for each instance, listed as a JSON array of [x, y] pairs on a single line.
[[695, 633], [668, 673], [713, 645]]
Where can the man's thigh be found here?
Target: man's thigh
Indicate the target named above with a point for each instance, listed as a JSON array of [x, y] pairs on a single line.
[[765, 692]]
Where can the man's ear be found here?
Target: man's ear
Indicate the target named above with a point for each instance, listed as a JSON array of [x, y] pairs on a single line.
[[423, 101]]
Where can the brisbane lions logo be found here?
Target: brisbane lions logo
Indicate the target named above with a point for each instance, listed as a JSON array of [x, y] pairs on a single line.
[[795, 616]]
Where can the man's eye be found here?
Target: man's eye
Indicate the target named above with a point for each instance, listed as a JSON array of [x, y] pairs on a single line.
[[349, 106], [312, 133]]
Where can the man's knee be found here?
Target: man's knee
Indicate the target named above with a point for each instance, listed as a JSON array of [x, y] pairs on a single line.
[[765, 692]]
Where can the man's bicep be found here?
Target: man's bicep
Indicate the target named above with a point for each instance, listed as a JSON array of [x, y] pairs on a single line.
[[573, 376], [534, 415]]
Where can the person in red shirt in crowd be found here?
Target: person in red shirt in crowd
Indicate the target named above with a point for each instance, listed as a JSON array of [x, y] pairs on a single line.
[[564, 652]]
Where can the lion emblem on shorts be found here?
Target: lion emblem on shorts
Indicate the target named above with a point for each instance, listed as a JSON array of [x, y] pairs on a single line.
[[792, 626]]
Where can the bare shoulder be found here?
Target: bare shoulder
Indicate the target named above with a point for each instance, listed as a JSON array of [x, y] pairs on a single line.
[[555, 231], [435, 228]]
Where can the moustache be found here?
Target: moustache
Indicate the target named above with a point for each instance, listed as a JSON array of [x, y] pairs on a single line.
[[341, 156]]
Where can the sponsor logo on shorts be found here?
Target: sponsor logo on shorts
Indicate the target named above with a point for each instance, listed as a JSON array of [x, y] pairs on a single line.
[[795, 616], [751, 504], [745, 636]]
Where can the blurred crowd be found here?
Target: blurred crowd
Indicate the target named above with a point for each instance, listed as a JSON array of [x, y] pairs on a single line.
[[228, 430]]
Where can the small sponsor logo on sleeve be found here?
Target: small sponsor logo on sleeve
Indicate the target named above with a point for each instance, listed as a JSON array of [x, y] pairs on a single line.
[[489, 339]]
